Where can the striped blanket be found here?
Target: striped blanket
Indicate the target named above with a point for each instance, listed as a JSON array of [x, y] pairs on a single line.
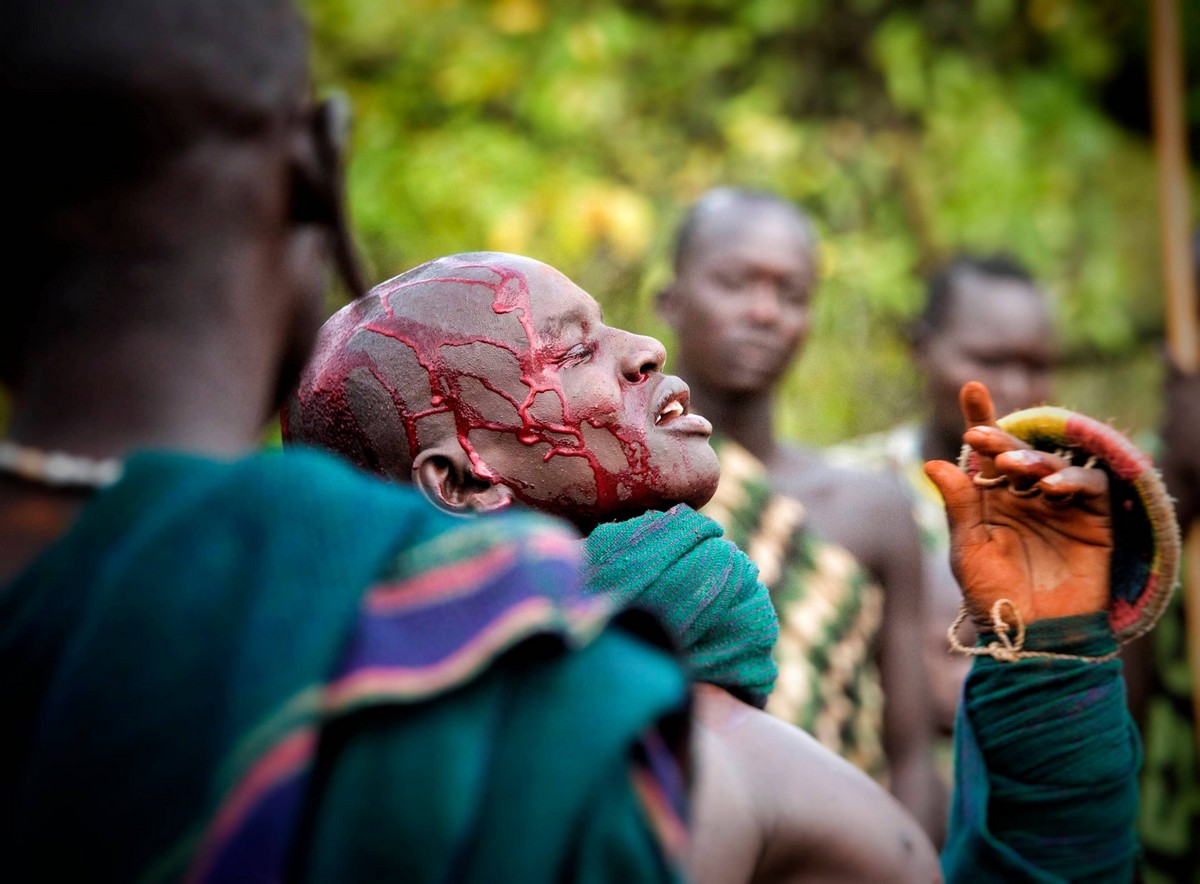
[[279, 668]]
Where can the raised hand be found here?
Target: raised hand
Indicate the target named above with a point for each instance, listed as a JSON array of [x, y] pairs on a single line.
[[1029, 527]]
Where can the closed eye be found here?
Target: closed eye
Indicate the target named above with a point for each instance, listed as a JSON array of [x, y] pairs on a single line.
[[577, 354]]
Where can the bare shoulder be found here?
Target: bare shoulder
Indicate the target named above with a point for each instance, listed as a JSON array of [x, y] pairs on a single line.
[[866, 511], [817, 817], [727, 839]]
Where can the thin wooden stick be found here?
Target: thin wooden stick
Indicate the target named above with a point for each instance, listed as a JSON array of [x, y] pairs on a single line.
[[1183, 334]]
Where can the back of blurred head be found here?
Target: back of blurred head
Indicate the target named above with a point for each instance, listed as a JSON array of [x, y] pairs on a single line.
[[175, 194]]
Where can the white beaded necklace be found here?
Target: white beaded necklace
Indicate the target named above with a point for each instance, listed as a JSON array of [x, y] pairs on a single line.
[[56, 468]]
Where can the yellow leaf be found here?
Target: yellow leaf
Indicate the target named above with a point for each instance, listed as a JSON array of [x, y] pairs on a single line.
[[518, 16]]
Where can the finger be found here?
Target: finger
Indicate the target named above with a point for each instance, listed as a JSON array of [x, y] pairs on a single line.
[[1077, 485], [992, 441], [964, 509], [976, 404], [978, 411], [1024, 468]]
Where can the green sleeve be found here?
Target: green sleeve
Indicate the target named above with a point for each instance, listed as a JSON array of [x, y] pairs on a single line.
[[1046, 761]]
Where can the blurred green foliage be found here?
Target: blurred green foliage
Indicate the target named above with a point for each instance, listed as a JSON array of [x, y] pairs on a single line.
[[578, 132]]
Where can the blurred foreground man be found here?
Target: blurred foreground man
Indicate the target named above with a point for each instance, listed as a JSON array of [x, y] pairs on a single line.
[[223, 667], [1170, 810]]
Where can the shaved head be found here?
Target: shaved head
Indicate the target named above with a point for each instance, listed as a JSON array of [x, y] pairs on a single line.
[[104, 91], [488, 377], [194, 62], [723, 210], [745, 274], [376, 388]]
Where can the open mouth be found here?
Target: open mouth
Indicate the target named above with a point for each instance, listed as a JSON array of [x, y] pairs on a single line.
[[672, 410], [674, 407]]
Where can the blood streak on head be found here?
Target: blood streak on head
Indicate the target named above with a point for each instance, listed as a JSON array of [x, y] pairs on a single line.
[[431, 341], [477, 349], [512, 295]]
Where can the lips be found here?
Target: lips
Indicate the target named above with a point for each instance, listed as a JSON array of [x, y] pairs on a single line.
[[671, 408], [670, 400]]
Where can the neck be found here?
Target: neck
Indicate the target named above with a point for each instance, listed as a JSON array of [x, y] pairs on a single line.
[[940, 441], [186, 391], [107, 401], [747, 419]]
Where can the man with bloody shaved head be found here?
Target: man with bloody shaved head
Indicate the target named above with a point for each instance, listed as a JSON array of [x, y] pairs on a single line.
[[491, 381], [492, 377]]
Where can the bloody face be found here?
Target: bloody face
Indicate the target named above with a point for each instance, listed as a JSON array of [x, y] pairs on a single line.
[[998, 331], [513, 361], [741, 303]]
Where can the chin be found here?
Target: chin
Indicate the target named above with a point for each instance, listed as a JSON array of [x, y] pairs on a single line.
[[703, 491], [697, 480], [747, 383]]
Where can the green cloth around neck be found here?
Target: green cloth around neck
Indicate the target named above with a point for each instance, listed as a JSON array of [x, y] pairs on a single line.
[[678, 565]]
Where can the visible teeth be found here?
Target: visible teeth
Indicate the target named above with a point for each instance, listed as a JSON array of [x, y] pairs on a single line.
[[672, 409]]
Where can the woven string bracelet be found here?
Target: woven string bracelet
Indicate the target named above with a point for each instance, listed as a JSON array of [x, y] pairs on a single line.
[[1010, 649]]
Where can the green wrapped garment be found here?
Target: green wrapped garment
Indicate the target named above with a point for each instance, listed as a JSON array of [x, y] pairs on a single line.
[[1046, 755], [677, 565], [281, 669]]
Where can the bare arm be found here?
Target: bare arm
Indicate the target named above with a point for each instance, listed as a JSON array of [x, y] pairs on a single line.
[[870, 516], [773, 805], [906, 686], [726, 840]]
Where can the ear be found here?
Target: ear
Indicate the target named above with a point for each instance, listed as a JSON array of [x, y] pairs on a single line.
[[448, 479], [319, 184], [666, 302]]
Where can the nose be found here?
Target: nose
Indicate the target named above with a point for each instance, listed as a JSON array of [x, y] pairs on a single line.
[[765, 308], [1015, 386], [641, 355]]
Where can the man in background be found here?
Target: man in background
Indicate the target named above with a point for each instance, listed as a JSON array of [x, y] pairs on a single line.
[[837, 548], [984, 318], [1169, 821]]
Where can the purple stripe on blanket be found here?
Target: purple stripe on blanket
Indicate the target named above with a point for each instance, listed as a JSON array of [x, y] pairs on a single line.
[[426, 636], [398, 653], [251, 834]]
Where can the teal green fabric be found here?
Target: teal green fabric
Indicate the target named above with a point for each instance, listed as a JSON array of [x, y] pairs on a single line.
[[187, 600], [192, 616], [1046, 757], [524, 763], [677, 565]]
